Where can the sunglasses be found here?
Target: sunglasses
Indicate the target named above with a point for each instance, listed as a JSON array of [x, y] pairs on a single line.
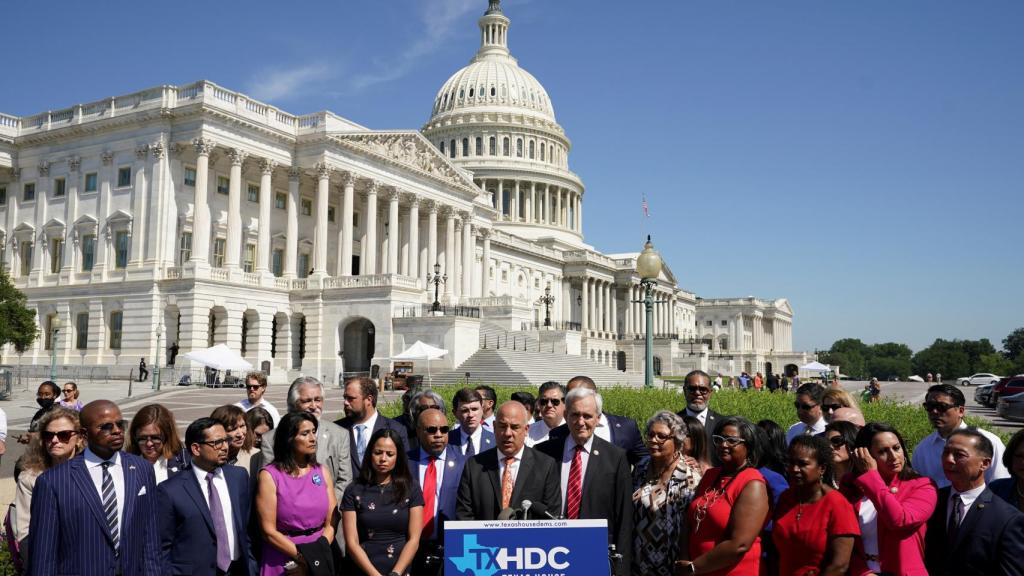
[[253, 386], [155, 439], [68, 390], [429, 407], [552, 401], [831, 407], [729, 441], [698, 390], [937, 406], [837, 441], [802, 406], [216, 444], [64, 436], [108, 428], [435, 429]]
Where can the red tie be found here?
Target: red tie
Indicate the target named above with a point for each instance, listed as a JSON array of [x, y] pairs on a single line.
[[429, 494], [574, 492]]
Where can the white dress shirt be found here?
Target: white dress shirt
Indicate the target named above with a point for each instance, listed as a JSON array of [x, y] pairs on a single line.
[[274, 414], [539, 432], [515, 468], [568, 453], [94, 465], [968, 499], [160, 469], [488, 423], [221, 485], [367, 431], [439, 468], [702, 415], [603, 430], [801, 428], [475, 438], [927, 459]]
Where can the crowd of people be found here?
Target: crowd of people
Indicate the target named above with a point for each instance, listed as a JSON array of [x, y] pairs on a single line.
[[248, 491]]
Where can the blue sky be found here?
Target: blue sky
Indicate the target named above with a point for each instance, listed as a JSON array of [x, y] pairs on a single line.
[[863, 159]]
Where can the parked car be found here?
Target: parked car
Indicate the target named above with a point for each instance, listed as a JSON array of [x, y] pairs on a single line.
[[1008, 387], [983, 395], [978, 379], [1011, 407]]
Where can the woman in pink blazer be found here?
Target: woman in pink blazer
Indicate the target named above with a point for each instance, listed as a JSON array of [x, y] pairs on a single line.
[[893, 504]]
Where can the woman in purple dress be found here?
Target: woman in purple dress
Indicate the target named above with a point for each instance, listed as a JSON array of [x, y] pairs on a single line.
[[295, 498]]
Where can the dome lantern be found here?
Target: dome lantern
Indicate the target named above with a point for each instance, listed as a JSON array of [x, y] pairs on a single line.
[[493, 32]]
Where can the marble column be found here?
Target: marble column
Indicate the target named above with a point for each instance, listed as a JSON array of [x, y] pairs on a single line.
[[263, 238], [449, 249], [584, 306], [393, 228], [530, 202], [431, 236], [370, 266], [291, 251], [323, 185], [347, 222], [201, 207], [456, 278], [414, 236], [233, 244], [600, 322], [579, 213], [468, 251], [615, 310], [485, 264], [515, 203], [501, 199]]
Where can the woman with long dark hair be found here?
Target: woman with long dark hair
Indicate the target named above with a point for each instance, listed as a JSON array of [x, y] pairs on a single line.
[[382, 511], [842, 436], [695, 445]]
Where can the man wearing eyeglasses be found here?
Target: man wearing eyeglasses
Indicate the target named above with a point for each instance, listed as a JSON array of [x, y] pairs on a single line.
[[551, 405], [96, 514], [808, 412], [204, 512], [944, 404], [698, 391], [437, 468], [255, 388]]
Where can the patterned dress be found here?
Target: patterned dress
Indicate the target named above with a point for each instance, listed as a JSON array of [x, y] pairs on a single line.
[[659, 518]]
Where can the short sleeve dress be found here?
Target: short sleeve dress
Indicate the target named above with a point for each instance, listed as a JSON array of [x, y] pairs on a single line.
[[301, 512], [802, 531], [383, 522], [709, 515]]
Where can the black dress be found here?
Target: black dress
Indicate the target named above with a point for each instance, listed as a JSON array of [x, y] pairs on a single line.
[[383, 524]]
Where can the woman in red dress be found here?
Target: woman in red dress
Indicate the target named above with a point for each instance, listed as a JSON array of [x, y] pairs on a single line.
[[730, 508], [815, 527]]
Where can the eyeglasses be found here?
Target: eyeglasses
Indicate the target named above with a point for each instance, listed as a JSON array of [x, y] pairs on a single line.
[[802, 406], [552, 401], [253, 386], [108, 428], [216, 444], [937, 406], [435, 429], [68, 390], [729, 441], [831, 407], [837, 441], [703, 390], [655, 436], [429, 407], [154, 438], [64, 436]]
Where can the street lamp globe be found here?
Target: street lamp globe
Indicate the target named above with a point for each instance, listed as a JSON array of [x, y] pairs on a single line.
[[55, 323], [648, 263]]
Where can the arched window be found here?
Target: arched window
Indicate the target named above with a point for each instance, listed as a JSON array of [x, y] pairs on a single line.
[[492, 146], [470, 92], [479, 146], [541, 151], [451, 149], [532, 149], [442, 146], [504, 146], [493, 91], [444, 101], [519, 147], [462, 93], [465, 147]]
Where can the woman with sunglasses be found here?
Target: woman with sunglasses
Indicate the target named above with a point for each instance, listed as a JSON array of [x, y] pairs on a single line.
[[841, 436], [60, 440], [382, 511], [892, 502], [725, 518], [70, 399], [834, 399], [665, 487], [153, 435], [241, 447]]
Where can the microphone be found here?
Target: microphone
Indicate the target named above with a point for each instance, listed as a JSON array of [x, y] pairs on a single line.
[[526, 509], [507, 514], [538, 509]]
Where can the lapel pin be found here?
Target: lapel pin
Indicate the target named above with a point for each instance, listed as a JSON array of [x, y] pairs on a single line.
[[596, 453], [618, 425], [451, 464], [981, 506], [894, 490], [131, 466]]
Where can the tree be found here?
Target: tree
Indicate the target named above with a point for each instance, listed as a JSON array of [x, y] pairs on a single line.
[[850, 355], [1013, 345], [889, 359], [17, 322], [995, 363]]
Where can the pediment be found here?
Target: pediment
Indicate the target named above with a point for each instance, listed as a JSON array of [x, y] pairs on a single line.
[[54, 224], [119, 217], [412, 151], [783, 305], [24, 227], [85, 220]]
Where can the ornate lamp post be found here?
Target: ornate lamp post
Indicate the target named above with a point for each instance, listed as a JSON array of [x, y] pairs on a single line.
[[547, 300], [54, 330], [648, 266], [436, 279], [159, 351]]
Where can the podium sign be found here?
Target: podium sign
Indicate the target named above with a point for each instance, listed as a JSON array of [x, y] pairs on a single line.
[[526, 548]]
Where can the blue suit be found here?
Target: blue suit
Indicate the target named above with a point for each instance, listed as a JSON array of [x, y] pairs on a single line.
[[624, 433], [453, 464], [188, 544], [487, 440], [69, 532]]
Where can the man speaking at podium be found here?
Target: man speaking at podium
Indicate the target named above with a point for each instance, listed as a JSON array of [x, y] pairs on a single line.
[[500, 479], [593, 474]]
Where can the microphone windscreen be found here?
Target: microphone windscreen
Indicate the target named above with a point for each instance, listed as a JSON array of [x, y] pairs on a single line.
[[506, 514]]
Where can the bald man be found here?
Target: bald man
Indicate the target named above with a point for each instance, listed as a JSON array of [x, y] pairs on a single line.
[[500, 479], [95, 515], [851, 415]]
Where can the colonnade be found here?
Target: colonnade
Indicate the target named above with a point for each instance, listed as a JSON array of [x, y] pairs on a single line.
[[535, 203]]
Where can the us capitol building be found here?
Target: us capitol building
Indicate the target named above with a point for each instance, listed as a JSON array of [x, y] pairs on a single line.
[[193, 215]]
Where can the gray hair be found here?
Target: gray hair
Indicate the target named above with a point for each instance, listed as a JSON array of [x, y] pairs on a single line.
[[581, 392], [293, 390], [673, 422], [414, 403]]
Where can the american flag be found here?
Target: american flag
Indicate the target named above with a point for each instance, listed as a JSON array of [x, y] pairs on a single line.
[[643, 206]]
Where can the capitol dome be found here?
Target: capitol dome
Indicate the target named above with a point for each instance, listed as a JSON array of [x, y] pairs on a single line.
[[493, 83]]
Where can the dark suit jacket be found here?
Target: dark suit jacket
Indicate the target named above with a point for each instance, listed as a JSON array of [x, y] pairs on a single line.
[[990, 539], [624, 433], [479, 495], [487, 440], [188, 543], [711, 420], [69, 533], [607, 491], [410, 430], [453, 464], [381, 423]]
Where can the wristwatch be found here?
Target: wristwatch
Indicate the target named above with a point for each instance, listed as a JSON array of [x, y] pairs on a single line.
[[393, 573], [692, 567]]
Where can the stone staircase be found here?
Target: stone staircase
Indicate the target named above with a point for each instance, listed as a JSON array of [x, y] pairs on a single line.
[[521, 368]]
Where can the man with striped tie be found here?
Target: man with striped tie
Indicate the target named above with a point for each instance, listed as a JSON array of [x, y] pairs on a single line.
[[95, 514]]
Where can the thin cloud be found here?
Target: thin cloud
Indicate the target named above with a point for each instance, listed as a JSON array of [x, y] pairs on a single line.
[[281, 83]]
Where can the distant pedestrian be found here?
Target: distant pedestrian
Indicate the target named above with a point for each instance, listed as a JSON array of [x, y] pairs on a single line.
[[172, 353], [143, 372], [70, 399]]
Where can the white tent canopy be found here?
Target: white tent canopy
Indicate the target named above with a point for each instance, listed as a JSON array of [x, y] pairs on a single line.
[[815, 367], [220, 357], [421, 351]]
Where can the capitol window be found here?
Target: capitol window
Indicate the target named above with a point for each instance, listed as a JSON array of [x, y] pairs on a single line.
[[184, 248], [28, 192], [190, 176], [60, 187], [90, 182], [219, 248], [82, 331], [533, 149], [277, 263], [479, 146], [280, 201], [124, 177], [465, 147], [116, 323], [249, 264], [330, 213], [253, 192], [442, 147], [451, 149], [470, 92], [307, 207], [493, 91], [121, 249], [3, 196], [519, 147], [541, 151], [492, 146], [88, 252], [56, 254], [26, 257], [504, 146], [223, 182]]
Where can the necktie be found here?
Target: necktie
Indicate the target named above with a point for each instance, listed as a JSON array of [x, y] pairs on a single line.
[[469, 447], [360, 442], [110, 506], [506, 482], [429, 495], [955, 517], [574, 491], [220, 527], [808, 430]]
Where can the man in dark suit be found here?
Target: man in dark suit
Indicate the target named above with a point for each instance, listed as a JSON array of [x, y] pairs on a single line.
[[362, 419], [419, 401], [204, 511], [594, 474], [501, 479], [436, 467], [470, 438], [698, 391], [972, 531], [619, 430], [96, 515]]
